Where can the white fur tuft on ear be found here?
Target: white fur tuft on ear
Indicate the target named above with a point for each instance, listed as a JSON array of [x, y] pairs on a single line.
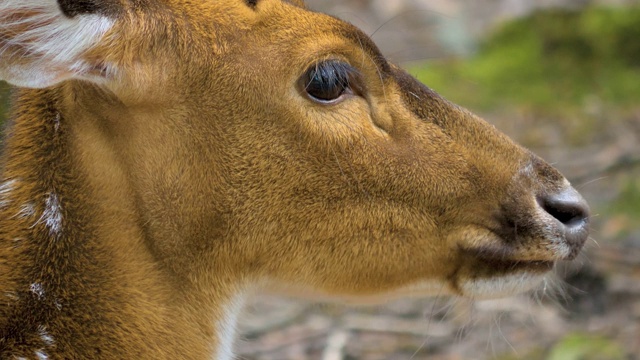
[[40, 46]]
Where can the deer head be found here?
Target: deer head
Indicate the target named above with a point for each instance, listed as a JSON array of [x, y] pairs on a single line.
[[166, 156]]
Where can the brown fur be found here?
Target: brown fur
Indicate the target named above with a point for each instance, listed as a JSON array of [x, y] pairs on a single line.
[[201, 170]]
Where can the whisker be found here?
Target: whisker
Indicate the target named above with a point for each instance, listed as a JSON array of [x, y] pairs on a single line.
[[498, 319], [431, 315], [405, 13], [582, 185]]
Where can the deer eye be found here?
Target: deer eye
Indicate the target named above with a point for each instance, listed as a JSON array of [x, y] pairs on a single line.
[[326, 82]]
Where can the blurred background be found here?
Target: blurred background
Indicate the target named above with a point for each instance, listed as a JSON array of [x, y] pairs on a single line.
[[562, 77]]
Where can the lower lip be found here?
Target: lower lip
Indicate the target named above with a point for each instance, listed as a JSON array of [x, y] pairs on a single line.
[[509, 266]]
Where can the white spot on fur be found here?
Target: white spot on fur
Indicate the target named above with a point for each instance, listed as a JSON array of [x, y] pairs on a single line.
[[56, 122], [26, 210], [226, 328], [41, 355], [11, 295], [38, 290], [46, 338], [52, 214], [17, 242], [57, 304], [7, 186], [5, 190], [41, 46]]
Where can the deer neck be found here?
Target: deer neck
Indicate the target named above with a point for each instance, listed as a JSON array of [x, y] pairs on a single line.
[[87, 260]]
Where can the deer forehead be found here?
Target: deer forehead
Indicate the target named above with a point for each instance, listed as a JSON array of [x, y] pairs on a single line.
[[43, 43]]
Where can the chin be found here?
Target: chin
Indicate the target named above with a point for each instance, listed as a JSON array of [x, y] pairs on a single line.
[[501, 286]]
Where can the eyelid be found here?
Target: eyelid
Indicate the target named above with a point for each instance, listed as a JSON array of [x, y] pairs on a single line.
[[331, 71], [353, 76]]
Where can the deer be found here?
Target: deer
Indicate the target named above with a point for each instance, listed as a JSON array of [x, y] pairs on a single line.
[[164, 159]]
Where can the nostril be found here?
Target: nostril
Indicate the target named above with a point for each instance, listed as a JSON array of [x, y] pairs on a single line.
[[566, 213], [571, 213], [568, 207]]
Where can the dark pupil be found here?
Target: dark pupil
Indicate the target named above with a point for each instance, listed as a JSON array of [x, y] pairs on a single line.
[[327, 81]]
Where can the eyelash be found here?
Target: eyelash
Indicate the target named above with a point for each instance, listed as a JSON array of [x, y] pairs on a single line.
[[327, 81]]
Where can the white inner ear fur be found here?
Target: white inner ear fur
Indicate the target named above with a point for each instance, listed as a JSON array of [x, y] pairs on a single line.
[[40, 46]]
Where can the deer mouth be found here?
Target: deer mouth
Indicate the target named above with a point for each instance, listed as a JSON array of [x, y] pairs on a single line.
[[487, 273], [501, 266], [505, 260]]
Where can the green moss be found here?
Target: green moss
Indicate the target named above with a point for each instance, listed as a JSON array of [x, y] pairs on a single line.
[[628, 201], [586, 347], [553, 62]]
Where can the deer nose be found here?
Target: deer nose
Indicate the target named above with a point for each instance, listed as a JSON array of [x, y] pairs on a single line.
[[570, 211]]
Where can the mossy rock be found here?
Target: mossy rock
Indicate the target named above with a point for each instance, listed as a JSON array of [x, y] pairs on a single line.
[[550, 62]]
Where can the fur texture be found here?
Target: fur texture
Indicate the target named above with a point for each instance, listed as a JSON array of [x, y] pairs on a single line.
[[172, 159]]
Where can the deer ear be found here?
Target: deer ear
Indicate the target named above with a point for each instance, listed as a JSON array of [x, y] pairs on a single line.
[[44, 42]]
